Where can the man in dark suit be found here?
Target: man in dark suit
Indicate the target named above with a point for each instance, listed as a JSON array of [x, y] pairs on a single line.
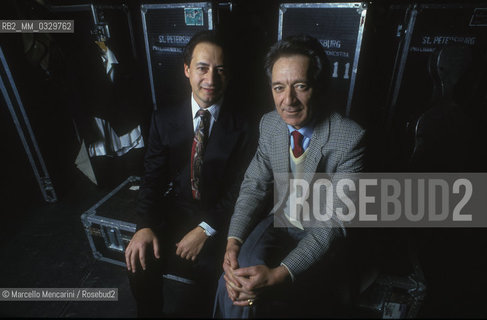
[[194, 164], [291, 270]]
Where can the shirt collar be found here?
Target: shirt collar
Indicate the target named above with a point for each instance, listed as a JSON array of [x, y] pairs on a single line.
[[213, 109], [306, 131]]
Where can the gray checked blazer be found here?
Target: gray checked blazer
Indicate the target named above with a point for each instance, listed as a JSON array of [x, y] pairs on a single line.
[[337, 145]]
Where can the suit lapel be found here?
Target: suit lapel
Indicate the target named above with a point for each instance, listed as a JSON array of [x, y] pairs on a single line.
[[222, 134], [180, 135], [220, 145], [319, 138], [280, 148], [181, 125]]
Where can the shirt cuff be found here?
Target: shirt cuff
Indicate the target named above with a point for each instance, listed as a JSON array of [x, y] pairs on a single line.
[[208, 230], [290, 273], [236, 238]]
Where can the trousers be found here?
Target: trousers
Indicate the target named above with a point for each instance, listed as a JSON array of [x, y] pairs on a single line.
[[159, 297], [313, 295]]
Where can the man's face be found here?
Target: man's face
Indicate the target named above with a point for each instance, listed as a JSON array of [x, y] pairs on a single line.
[[206, 74], [291, 89]]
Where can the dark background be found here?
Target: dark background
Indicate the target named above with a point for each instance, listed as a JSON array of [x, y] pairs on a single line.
[[44, 245]]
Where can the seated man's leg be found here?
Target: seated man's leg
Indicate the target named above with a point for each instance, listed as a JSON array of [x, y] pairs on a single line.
[[316, 293], [325, 289], [146, 286], [196, 299], [265, 245]]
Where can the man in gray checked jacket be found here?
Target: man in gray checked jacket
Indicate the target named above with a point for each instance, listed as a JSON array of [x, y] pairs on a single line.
[[291, 271]]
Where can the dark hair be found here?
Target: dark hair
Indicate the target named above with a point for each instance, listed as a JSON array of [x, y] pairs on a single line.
[[304, 45], [210, 36]]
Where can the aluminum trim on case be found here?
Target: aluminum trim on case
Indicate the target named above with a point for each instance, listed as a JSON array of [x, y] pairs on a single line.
[[75, 8], [322, 5], [284, 6], [131, 29], [203, 5], [126, 226], [402, 64], [397, 281], [143, 11], [71, 8], [471, 24], [87, 225], [44, 182], [92, 210], [363, 15], [210, 19], [282, 10], [93, 12], [447, 5]]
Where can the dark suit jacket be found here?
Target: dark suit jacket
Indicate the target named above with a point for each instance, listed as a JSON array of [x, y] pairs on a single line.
[[167, 169]]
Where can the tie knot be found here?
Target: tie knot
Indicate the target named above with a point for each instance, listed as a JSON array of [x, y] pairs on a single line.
[[203, 113], [297, 136]]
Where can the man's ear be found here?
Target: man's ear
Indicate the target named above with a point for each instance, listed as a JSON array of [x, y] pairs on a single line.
[[186, 70]]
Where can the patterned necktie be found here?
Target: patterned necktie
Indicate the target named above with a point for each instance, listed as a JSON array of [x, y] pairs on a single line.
[[298, 143], [198, 150]]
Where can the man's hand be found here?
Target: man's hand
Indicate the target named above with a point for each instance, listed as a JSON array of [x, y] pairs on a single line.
[[256, 278], [230, 263], [191, 244], [137, 247], [239, 297]]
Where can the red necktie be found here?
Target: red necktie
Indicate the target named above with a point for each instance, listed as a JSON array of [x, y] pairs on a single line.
[[198, 150], [298, 143]]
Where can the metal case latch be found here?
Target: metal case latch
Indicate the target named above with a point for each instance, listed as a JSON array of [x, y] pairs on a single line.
[[113, 238]]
